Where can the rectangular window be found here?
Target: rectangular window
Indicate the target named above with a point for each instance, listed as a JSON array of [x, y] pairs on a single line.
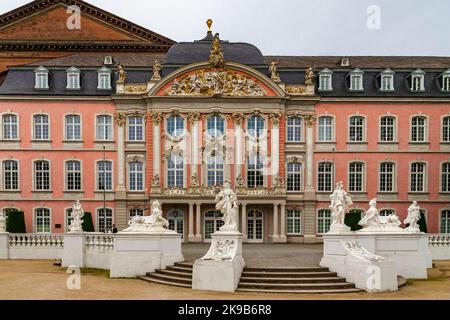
[[356, 133], [41, 80], [294, 222], [294, 129], [325, 82], [42, 221], [356, 82], [325, 177], [446, 129], [10, 175], [418, 127], [73, 127], [135, 128], [294, 176], [42, 175], [417, 177], [104, 81], [446, 83], [387, 177], [136, 212], [445, 178], [445, 221], [323, 221], [387, 129], [417, 83], [10, 127], [41, 127], [136, 176], [104, 127], [73, 172], [356, 177], [104, 175], [326, 129], [105, 220], [387, 83], [255, 177], [175, 172], [215, 171], [73, 81]]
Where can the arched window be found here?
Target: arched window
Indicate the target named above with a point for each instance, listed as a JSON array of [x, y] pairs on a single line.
[[104, 219], [104, 175], [10, 175], [73, 127], [418, 177], [10, 127], [387, 177], [356, 176], [326, 128], [215, 171], [215, 126], [418, 129], [212, 223], [73, 175], [175, 171], [387, 129], [41, 127], [356, 129], [175, 125], [323, 221], [325, 176], [42, 220], [445, 177], [135, 128], [294, 176], [255, 177], [136, 175], [446, 129], [255, 126], [294, 129], [104, 127], [42, 175]]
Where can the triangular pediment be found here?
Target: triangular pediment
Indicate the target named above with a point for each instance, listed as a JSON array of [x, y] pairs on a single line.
[[46, 21]]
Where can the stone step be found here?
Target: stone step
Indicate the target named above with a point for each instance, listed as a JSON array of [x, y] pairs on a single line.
[[179, 269], [292, 280], [170, 283], [290, 274], [173, 273], [352, 290], [296, 286], [281, 269], [188, 265], [171, 279]]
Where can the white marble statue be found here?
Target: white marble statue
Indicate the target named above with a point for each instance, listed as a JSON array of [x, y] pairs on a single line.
[[340, 200], [413, 218], [153, 223], [2, 222], [221, 250], [371, 222], [76, 216], [226, 202], [356, 249]]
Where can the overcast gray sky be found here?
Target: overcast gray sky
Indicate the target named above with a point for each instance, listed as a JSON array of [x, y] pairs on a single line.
[[296, 27]]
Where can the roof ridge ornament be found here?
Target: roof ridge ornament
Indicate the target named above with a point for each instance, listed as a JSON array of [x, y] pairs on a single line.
[[216, 58]]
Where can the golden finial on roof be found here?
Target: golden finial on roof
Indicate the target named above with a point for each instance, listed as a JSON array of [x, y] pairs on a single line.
[[209, 23]]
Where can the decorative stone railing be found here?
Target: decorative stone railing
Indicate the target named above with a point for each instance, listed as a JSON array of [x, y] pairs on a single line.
[[439, 245], [211, 192], [36, 240], [99, 241]]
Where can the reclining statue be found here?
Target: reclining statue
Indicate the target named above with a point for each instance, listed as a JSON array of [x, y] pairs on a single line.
[[153, 223]]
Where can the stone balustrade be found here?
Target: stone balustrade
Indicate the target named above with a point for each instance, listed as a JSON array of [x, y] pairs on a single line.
[[99, 241], [439, 245], [210, 192], [36, 240]]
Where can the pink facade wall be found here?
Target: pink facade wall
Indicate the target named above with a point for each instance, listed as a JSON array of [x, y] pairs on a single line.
[[89, 153]]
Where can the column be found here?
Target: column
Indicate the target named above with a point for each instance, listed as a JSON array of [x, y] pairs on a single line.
[[191, 236], [156, 148], [275, 234], [244, 221], [238, 119], [309, 188], [121, 119], [194, 118], [283, 237], [198, 234], [275, 144]]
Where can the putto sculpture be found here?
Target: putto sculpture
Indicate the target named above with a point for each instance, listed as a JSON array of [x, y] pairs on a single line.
[[153, 223], [227, 204], [340, 200], [413, 218], [76, 222]]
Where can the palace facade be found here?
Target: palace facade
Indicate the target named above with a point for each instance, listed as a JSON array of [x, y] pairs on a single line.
[[174, 126]]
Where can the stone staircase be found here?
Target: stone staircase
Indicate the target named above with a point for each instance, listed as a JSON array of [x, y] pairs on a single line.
[[270, 280]]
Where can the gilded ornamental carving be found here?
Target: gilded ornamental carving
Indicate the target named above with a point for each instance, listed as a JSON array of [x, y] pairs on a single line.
[[157, 117], [216, 58], [273, 72], [275, 118], [157, 67], [194, 117], [310, 119], [121, 72], [139, 88], [120, 118], [238, 117], [309, 76], [295, 90]]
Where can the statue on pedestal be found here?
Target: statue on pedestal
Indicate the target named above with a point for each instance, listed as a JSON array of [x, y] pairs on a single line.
[[227, 204], [157, 67], [273, 72], [340, 200], [122, 73], [154, 223], [413, 218], [371, 219], [309, 76], [76, 223]]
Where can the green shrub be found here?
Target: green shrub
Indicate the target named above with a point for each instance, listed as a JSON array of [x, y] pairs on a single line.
[[88, 225], [352, 218], [423, 222], [15, 223]]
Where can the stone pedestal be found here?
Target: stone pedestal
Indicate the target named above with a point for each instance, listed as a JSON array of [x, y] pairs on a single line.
[[4, 248], [408, 251], [221, 268], [339, 228], [73, 252], [135, 254]]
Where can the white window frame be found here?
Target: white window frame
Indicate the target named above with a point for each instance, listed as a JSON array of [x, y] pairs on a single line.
[[67, 172], [444, 175], [298, 174], [103, 73], [356, 175], [387, 86], [214, 168], [42, 125], [295, 219], [258, 215], [392, 174], [133, 212], [98, 172], [177, 131], [255, 119], [134, 187], [324, 219], [133, 128], [73, 79], [447, 223], [417, 127], [295, 128], [417, 81], [445, 81], [175, 220], [35, 220], [97, 217], [356, 74], [445, 129], [213, 132], [35, 189], [16, 135], [3, 163], [326, 80], [386, 126], [217, 222], [324, 127], [355, 127], [425, 177], [331, 174], [73, 125], [99, 134], [257, 169], [175, 169], [41, 72]]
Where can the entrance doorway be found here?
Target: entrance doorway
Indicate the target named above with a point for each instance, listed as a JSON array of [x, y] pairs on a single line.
[[213, 221], [255, 226], [176, 221]]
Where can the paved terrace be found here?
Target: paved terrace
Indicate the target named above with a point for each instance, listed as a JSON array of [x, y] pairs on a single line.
[[266, 255]]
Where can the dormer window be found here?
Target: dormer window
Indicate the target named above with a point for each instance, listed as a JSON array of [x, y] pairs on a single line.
[[73, 79], [387, 80], [445, 81], [325, 80], [41, 78], [356, 80], [104, 79], [417, 80]]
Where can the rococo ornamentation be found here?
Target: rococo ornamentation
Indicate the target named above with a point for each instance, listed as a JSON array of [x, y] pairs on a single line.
[[238, 117], [194, 117], [140, 88], [310, 119], [309, 76], [157, 117], [273, 72], [215, 82], [275, 118], [157, 67], [121, 72], [216, 58], [120, 118]]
